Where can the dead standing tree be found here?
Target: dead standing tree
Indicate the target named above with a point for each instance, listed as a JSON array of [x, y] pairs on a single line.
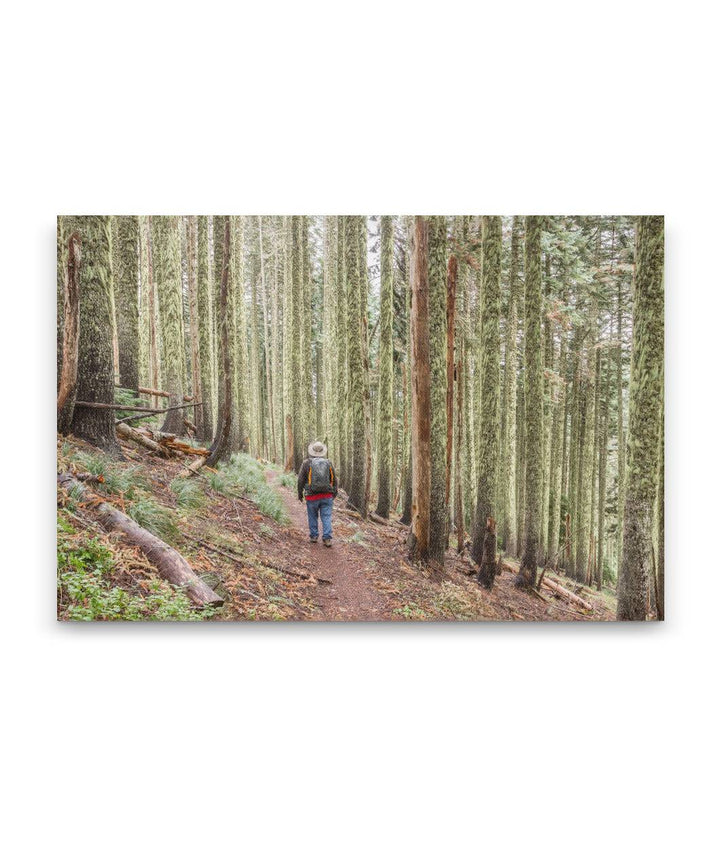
[[71, 328]]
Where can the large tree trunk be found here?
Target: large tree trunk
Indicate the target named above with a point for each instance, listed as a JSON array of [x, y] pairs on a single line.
[[126, 267], [96, 381], [342, 328], [70, 328], [153, 353], [385, 369], [357, 369], [239, 347], [602, 478], [221, 445], [645, 421], [191, 243], [204, 419], [420, 373], [450, 367], [167, 267], [299, 446], [437, 286], [508, 521], [488, 562], [170, 564], [265, 299], [533, 401], [490, 351]]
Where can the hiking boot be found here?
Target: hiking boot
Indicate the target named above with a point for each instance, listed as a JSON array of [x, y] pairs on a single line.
[[313, 540], [327, 542]]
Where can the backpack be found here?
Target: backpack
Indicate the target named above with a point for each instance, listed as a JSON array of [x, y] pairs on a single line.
[[320, 477]]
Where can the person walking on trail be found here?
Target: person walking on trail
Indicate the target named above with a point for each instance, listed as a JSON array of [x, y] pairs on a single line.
[[317, 484]]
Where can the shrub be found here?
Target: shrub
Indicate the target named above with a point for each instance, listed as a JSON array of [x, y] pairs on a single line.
[[189, 493], [149, 514], [87, 592]]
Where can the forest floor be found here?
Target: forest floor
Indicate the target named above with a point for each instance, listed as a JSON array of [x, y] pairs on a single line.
[[243, 530]]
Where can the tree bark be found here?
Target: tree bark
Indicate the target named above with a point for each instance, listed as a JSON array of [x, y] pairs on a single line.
[[489, 451], [221, 446], [126, 267], [96, 381], [533, 402], [488, 564], [385, 369], [645, 421], [167, 266], [71, 324], [420, 374]]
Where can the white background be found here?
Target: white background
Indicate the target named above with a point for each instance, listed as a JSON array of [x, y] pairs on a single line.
[[352, 739]]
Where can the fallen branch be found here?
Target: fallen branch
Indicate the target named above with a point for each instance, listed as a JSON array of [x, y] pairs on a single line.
[[128, 433], [169, 563], [158, 393], [193, 468], [557, 589], [144, 412], [300, 574], [377, 519]]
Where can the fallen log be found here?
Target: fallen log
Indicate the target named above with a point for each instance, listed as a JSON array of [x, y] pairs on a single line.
[[158, 393], [193, 468], [184, 448], [377, 519], [299, 574], [557, 589], [127, 433], [169, 563]]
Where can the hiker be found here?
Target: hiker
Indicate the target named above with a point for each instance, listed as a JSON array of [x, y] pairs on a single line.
[[318, 485]]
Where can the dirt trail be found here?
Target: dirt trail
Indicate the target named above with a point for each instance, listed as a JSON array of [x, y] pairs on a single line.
[[350, 595]]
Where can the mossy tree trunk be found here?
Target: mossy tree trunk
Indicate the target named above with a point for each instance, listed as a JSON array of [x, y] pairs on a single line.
[[238, 324], [419, 541], [191, 250], [222, 446], [489, 433], [533, 401], [329, 403], [437, 323], [644, 427], [357, 366], [556, 461], [297, 339], [508, 523], [166, 265], [342, 353], [205, 324], [95, 382], [385, 369], [126, 267], [602, 474]]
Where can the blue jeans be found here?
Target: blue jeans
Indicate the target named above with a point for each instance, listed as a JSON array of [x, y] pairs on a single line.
[[324, 507]]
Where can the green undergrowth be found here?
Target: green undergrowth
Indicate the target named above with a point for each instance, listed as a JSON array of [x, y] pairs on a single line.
[[288, 480], [130, 483], [130, 399], [88, 587], [411, 612], [243, 475], [188, 492]]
